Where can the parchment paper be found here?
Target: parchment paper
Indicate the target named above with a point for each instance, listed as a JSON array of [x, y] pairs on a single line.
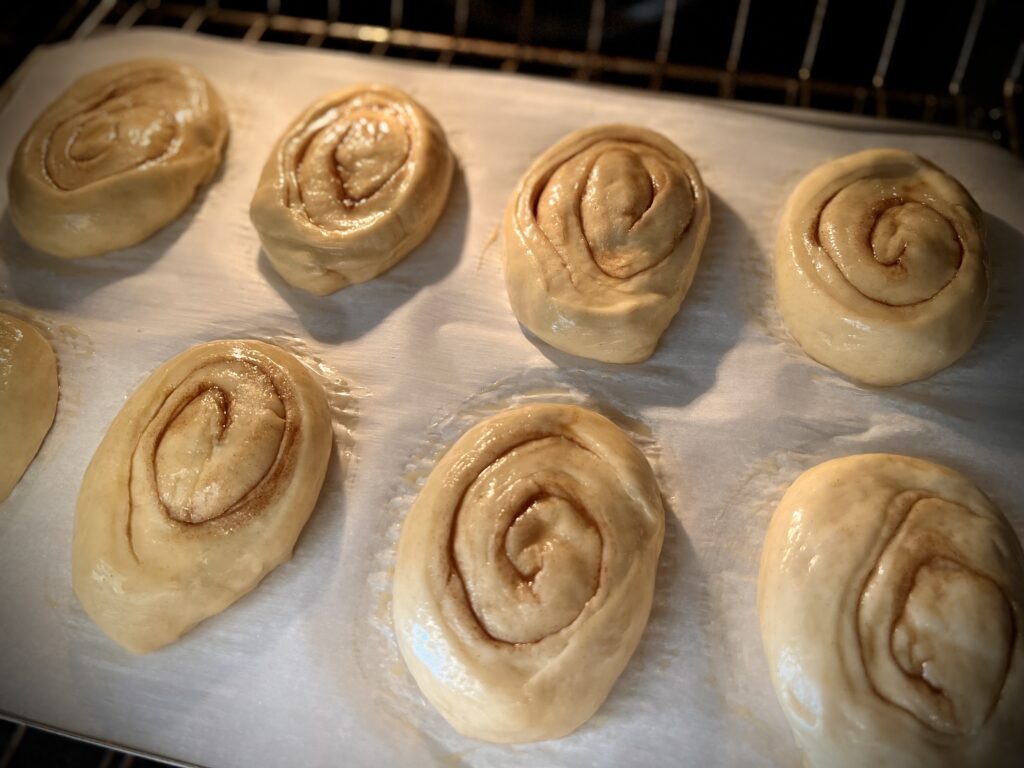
[[304, 670]]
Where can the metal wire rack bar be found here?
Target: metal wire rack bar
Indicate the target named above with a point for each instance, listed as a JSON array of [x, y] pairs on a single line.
[[800, 88]]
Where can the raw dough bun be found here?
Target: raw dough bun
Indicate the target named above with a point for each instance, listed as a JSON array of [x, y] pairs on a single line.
[[602, 239], [891, 597], [880, 267], [353, 185], [525, 572], [199, 489], [117, 157], [28, 397]]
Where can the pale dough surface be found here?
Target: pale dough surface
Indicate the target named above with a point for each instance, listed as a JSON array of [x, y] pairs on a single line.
[[117, 157], [891, 598], [880, 267], [28, 397], [200, 488], [354, 184], [602, 238], [525, 572]]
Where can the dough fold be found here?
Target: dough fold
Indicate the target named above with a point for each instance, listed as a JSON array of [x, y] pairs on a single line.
[[117, 157], [525, 572], [891, 595], [880, 267], [602, 238], [28, 397], [200, 488], [353, 185]]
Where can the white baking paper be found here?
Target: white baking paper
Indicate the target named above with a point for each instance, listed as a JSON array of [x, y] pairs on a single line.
[[304, 670]]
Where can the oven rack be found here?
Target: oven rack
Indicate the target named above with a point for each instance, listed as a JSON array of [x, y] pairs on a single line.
[[324, 24]]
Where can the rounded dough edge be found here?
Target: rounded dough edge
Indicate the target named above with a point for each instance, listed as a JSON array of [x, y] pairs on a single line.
[[145, 608], [322, 261], [623, 324], [824, 530], [28, 399], [865, 340], [124, 209], [544, 689]]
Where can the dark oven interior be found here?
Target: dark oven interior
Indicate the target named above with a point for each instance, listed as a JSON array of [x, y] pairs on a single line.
[[957, 63]]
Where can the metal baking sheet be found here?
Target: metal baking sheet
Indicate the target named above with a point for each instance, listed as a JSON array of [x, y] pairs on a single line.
[[304, 670]]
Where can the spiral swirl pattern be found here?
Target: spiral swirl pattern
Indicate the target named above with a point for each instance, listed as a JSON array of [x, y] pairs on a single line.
[[602, 238], [130, 123], [526, 570], [201, 487], [929, 591], [881, 270], [116, 157], [357, 182], [218, 445], [891, 600]]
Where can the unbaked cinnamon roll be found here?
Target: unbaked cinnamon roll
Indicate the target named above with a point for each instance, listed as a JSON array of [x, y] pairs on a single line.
[[880, 267], [28, 397], [117, 157], [526, 570], [602, 238], [891, 597], [353, 185], [199, 489]]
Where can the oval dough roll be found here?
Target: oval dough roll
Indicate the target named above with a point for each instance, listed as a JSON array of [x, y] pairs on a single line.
[[28, 397], [891, 597], [602, 238], [525, 572], [353, 185], [117, 157], [199, 489], [880, 267]]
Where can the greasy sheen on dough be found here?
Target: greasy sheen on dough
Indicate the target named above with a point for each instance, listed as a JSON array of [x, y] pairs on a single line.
[[602, 238], [199, 489], [526, 570], [880, 267], [353, 185], [891, 597], [117, 157], [28, 397]]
